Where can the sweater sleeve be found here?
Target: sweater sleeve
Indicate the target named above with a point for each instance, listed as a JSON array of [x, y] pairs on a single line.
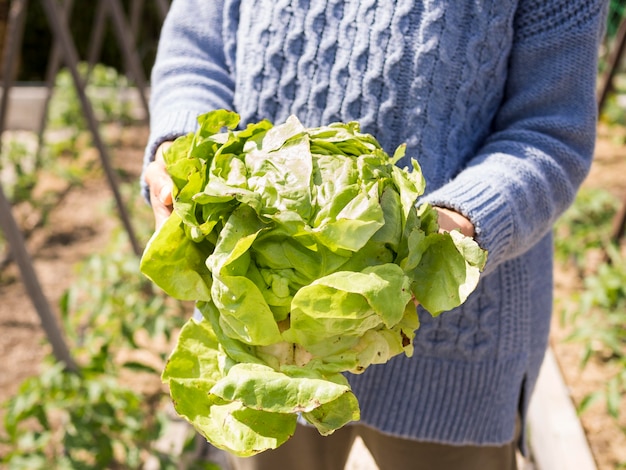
[[541, 148], [192, 73]]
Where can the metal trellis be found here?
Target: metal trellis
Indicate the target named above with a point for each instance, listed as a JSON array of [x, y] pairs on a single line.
[[63, 50], [614, 59], [7, 222], [61, 32]]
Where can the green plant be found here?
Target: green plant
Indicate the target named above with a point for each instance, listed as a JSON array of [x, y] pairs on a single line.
[[76, 421], [597, 313], [585, 226], [104, 87], [108, 415], [600, 325], [18, 169], [36, 182]]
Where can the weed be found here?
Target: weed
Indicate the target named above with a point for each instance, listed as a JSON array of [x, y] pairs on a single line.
[[598, 313]]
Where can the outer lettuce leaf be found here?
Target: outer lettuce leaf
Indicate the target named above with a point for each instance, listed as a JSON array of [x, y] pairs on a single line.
[[348, 303], [214, 122], [444, 276], [331, 416], [230, 425], [192, 371], [197, 356], [241, 430], [179, 164], [170, 251], [263, 388], [244, 313], [235, 350]]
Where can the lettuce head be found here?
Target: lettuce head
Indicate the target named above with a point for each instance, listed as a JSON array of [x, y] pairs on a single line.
[[305, 250]]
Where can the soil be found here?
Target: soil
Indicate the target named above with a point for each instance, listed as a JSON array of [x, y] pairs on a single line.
[[78, 226]]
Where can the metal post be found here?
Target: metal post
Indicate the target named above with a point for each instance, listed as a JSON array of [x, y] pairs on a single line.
[[136, 9], [613, 63], [619, 223], [97, 35], [61, 32], [126, 42], [31, 282], [54, 63], [163, 6], [13, 44]]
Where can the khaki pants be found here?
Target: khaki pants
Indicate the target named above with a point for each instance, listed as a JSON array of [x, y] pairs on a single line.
[[307, 450]]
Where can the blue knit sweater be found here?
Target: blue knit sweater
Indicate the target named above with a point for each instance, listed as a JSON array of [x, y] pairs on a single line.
[[495, 98]]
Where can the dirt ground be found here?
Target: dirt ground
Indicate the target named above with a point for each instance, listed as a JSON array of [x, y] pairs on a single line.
[[79, 226]]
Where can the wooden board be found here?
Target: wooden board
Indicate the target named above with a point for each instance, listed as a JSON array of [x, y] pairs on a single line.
[[556, 437]]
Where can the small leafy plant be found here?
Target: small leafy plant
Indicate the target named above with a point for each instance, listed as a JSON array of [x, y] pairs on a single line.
[[585, 227], [104, 85]]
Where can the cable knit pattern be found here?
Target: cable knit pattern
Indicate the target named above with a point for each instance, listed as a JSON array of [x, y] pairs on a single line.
[[536, 18], [494, 98]]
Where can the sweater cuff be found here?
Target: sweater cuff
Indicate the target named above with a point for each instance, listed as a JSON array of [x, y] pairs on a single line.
[[486, 208]]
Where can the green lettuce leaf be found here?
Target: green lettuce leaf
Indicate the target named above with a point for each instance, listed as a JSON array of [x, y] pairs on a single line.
[[263, 388], [170, 251], [348, 303]]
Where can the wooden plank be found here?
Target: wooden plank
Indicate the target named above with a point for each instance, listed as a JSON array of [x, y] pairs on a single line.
[[557, 439]]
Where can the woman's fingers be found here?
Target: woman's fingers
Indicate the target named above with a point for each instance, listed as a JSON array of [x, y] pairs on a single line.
[[160, 185], [451, 220]]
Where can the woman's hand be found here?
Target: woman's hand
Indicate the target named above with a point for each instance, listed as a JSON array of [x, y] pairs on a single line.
[[160, 185], [450, 220]]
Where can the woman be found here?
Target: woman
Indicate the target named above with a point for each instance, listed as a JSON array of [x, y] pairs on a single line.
[[496, 100]]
